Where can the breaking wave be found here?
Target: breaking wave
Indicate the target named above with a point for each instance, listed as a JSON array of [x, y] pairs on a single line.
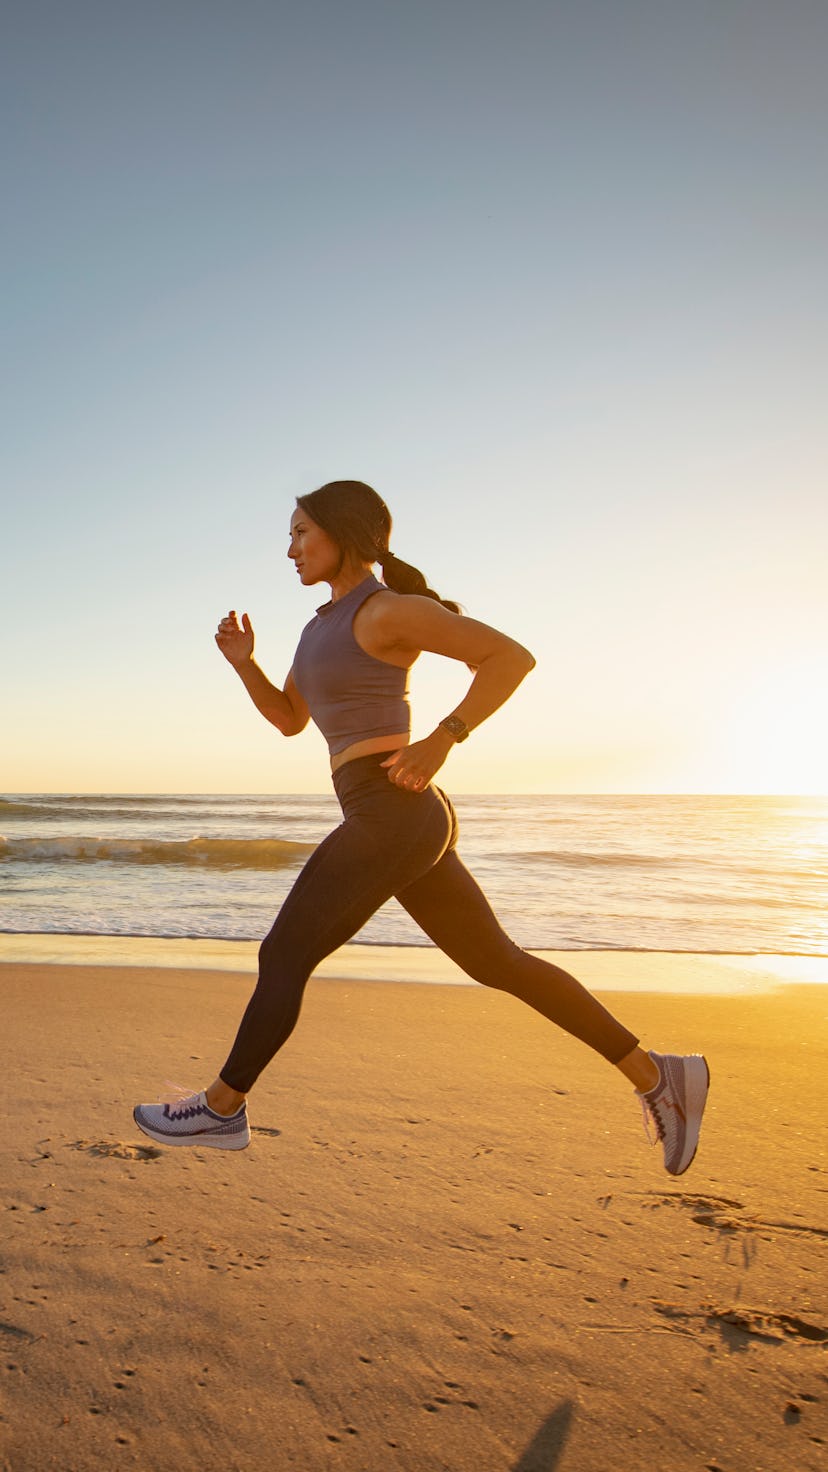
[[210, 853]]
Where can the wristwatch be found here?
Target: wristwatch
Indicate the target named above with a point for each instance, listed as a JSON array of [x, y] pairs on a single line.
[[457, 729]]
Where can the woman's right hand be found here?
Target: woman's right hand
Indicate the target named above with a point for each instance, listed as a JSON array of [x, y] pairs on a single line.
[[235, 641]]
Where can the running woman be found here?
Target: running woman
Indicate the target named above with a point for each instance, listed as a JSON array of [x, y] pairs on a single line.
[[399, 832]]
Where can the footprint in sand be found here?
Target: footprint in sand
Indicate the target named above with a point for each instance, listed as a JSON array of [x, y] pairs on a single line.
[[115, 1149], [765, 1324], [758, 1323], [718, 1212]]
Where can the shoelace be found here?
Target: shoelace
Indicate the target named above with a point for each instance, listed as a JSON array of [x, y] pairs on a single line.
[[652, 1116], [183, 1103]]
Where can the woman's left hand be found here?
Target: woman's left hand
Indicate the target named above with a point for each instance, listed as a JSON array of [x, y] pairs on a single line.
[[413, 767]]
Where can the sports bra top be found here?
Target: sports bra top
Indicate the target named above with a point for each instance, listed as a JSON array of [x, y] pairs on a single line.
[[351, 695]]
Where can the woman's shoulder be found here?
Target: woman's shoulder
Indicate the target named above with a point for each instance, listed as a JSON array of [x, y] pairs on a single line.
[[383, 624], [400, 620]]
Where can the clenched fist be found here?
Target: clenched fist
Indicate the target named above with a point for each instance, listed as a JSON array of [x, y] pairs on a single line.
[[235, 640]]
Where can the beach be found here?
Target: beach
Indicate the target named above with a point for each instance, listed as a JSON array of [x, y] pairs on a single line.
[[449, 1245]]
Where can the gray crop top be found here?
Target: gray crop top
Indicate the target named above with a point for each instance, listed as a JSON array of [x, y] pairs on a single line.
[[351, 695]]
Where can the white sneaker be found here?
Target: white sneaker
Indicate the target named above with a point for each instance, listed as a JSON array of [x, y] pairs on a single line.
[[675, 1106], [191, 1121]]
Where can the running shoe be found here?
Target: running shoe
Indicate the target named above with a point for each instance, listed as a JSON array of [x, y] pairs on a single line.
[[675, 1105], [191, 1121]]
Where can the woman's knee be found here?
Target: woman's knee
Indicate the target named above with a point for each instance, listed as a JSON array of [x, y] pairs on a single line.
[[267, 954], [279, 972], [496, 964]]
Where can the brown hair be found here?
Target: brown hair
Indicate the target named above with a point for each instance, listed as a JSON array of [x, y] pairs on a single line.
[[358, 520]]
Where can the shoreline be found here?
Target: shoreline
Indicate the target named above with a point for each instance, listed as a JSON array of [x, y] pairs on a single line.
[[671, 972]]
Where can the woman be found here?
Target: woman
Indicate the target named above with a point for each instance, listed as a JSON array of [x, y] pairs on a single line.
[[398, 835]]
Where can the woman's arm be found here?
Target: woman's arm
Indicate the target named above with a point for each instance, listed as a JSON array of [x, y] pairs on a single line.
[[285, 709], [403, 626]]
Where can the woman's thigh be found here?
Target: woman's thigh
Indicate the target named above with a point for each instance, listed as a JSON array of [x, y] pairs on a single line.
[[352, 873]]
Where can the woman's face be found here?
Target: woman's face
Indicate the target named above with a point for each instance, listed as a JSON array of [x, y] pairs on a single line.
[[316, 556]]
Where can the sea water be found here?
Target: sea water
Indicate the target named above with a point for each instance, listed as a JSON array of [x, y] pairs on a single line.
[[727, 875]]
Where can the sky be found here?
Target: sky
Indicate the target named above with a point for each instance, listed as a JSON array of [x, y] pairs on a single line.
[[551, 276]]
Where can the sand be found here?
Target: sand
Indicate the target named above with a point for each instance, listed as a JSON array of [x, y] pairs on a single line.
[[449, 1245]]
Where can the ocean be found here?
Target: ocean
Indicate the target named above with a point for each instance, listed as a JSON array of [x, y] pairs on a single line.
[[715, 875]]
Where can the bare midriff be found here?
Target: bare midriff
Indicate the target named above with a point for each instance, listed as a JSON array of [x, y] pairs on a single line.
[[370, 747]]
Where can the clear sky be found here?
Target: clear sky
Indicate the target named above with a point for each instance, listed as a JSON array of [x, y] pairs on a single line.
[[551, 276]]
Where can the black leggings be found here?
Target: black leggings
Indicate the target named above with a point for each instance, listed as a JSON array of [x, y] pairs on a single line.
[[393, 842]]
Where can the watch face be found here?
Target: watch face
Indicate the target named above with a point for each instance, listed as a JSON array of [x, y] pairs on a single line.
[[455, 727]]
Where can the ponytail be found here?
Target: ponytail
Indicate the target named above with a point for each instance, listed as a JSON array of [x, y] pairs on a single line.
[[401, 577]]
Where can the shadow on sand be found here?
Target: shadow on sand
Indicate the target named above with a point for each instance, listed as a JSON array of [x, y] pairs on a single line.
[[547, 1445]]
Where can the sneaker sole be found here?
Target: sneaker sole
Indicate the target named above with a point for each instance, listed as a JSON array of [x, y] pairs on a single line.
[[212, 1142], [697, 1086]]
